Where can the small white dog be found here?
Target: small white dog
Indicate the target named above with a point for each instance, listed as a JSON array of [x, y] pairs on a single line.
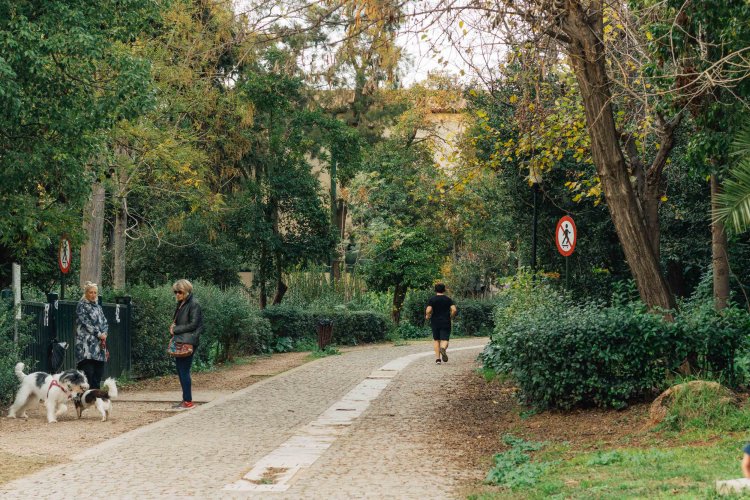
[[54, 390], [101, 398]]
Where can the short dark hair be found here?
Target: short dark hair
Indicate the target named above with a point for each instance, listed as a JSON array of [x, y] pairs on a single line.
[[440, 288]]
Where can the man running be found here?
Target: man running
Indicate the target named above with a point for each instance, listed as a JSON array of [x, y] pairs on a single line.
[[440, 311]]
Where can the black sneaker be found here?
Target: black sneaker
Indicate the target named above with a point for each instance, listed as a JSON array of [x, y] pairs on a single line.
[[443, 354], [437, 361]]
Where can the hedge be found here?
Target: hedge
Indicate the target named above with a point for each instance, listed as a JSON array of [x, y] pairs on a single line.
[[349, 327], [232, 326], [474, 317]]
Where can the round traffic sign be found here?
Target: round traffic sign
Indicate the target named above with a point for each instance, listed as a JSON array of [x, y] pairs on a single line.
[[565, 236], [64, 255]]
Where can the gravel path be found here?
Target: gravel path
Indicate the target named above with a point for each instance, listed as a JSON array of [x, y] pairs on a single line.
[[389, 451]]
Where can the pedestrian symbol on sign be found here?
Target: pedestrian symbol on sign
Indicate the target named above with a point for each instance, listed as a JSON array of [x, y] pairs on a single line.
[[566, 236]]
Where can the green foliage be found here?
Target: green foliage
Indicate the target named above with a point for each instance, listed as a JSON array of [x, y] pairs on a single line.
[[474, 317], [194, 255], [11, 352], [406, 330], [153, 309], [231, 324], [563, 354], [734, 200], [415, 305], [278, 219], [408, 258], [232, 327], [311, 289], [289, 321], [514, 468], [356, 327], [349, 327], [330, 350], [64, 81]]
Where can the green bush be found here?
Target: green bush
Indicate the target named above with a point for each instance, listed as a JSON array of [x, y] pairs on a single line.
[[290, 321], [257, 338], [474, 317], [356, 327], [10, 352], [227, 318], [349, 327], [232, 326], [408, 331], [153, 309], [715, 338], [415, 305], [563, 355]]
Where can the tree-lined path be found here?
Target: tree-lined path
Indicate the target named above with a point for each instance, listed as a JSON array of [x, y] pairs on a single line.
[[362, 424]]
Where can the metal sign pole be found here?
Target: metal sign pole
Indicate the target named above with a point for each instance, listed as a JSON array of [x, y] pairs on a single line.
[[16, 299]]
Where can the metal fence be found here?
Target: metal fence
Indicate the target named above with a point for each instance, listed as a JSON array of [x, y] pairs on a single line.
[[56, 319]]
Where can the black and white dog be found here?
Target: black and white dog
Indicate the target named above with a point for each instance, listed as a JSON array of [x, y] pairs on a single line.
[[101, 398], [54, 390]]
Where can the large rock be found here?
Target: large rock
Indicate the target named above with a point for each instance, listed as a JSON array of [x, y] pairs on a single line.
[[661, 405]]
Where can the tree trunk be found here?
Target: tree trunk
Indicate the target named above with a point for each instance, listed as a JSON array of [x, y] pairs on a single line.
[[719, 253], [399, 294], [93, 227], [586, 52]]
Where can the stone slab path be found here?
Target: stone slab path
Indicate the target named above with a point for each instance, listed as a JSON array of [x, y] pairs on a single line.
[[349, 426]]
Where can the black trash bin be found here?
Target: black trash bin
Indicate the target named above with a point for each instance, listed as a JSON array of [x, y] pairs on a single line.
[[325, 332]]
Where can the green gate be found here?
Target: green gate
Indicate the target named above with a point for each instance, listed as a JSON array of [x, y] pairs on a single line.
[[56, 319]]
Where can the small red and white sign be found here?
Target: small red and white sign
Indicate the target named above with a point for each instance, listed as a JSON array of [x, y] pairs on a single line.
[[565, 236], [64, 255]]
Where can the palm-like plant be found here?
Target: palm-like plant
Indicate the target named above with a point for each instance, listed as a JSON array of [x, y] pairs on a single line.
[[734, 202]]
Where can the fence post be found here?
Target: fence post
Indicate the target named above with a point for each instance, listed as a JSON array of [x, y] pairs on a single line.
[[50, 327], [127, 329]]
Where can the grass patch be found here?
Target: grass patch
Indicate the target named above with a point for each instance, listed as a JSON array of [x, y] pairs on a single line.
[[678, 472], [330, 350]]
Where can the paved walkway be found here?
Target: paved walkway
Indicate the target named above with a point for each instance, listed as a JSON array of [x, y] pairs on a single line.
[[349, 426]]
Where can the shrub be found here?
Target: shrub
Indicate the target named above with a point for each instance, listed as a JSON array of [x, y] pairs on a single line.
[[232, 326], [716, 338], [290, 321], [355, 327], [415, 305], [227, 318], [153, 309], [10, 352], [474, 317], [409, 331], [570, 355], [257, 338]]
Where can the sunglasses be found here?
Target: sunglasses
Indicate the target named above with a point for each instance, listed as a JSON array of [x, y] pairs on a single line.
[[178, 292]]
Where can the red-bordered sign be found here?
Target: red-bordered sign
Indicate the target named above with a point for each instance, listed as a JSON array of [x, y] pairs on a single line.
[[566, 236], [64, 255]]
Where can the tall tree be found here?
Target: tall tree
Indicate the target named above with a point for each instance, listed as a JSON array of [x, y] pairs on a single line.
[[63, 84]]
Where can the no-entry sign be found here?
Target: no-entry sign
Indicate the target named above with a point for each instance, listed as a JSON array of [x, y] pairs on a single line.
[[565, 236], [64, 255]]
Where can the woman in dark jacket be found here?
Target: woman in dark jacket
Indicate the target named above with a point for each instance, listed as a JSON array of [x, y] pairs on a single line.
[[91, 335], [186, 327]]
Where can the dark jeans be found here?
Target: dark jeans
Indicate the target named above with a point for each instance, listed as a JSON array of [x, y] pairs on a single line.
[[93, 370], [183, 372]]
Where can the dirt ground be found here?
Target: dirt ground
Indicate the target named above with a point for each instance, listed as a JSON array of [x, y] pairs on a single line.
[[474, 421]]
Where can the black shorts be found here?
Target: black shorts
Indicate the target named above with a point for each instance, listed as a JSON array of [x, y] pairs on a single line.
[[441, 332]]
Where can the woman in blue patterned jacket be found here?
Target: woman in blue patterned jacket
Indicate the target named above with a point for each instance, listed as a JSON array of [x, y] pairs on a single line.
[[91, 335]]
